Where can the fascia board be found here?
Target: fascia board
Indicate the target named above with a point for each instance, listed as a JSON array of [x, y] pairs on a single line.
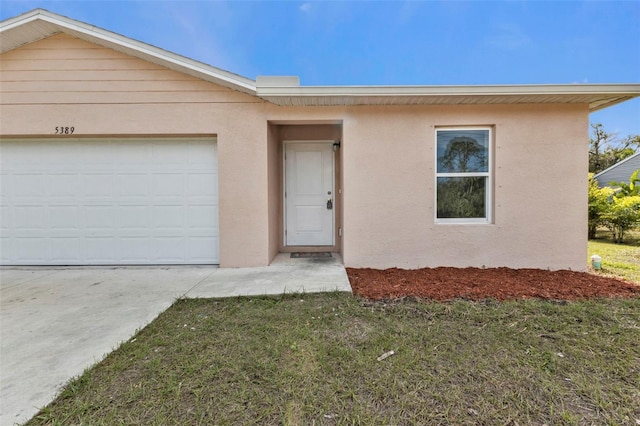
[[25, 18], [597, 96], [494, 90], [110, 39]]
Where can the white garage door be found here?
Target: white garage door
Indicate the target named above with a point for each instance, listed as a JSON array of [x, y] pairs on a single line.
[[108, 201]]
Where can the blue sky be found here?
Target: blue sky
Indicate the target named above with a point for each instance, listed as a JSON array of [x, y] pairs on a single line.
[[390, 43]]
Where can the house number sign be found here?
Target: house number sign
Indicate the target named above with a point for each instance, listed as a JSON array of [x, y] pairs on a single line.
[[64, 130]]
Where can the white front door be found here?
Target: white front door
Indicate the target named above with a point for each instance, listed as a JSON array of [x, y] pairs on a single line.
[[309, 194]]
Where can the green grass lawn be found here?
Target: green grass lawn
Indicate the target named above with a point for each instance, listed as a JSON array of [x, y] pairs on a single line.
[[312, 359], [620, 260]]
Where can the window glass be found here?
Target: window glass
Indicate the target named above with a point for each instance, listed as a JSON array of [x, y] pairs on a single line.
[[462, 197], [461, 151], [463, 187]]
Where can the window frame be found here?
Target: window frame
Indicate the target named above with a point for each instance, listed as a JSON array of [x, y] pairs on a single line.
[[488, 196]]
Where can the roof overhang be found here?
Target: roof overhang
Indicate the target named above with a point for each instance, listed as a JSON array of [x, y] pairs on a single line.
[[597, 96], [39, 24]]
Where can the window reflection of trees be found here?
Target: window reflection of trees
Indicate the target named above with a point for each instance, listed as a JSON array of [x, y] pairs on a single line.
[[462, 197], [464, 154]]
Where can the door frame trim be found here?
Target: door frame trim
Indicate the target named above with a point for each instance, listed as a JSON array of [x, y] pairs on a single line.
[[284, 188]]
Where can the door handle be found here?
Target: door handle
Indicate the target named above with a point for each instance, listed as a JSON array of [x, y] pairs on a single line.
[[329, 203]]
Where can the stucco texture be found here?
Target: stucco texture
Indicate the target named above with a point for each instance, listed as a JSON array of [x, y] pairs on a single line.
[[539, 188], [386, 160]]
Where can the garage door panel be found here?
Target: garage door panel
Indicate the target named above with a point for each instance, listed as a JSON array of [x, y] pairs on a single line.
[[7, 247], [202, 184], [133, 185], [135, 250], [170, 156], [65, 249], [168, 184], [5, 220], [168, 217], [170, 249], [99, 250], [58, 159], [31, 250], [29, 218], [63, 217], [97, 185], [95, 155], [98, 217], [62, 185], [5, 186], [202, 248], [134, 154], [135, 201], [199, 157], [133, 217], [23, 159], [30, 184], [203, 217]]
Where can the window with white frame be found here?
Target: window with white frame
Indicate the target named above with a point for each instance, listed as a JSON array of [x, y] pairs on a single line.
[[463, 175]]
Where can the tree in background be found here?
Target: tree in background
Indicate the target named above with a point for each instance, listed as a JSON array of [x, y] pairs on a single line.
[[605, 149]]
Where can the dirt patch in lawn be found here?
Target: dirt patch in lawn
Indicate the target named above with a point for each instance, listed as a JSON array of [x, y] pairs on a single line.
[[476, 284]]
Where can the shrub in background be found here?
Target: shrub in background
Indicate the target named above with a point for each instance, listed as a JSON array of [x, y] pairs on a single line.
[[622, 214], [599, 200], [628, 189]]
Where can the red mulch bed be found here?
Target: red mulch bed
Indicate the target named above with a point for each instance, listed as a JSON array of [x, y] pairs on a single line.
[[476, 284]]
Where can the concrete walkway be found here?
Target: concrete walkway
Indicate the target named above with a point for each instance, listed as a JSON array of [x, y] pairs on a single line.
[[56, 322]]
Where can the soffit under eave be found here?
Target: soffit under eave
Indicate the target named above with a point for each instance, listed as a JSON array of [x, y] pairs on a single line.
[[605, 103], [595, 102], [27, 33]]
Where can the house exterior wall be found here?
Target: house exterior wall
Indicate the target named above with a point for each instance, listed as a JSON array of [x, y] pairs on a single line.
[[275, 190], [389, 179], [387, 159], [63, 81], [389, 183]]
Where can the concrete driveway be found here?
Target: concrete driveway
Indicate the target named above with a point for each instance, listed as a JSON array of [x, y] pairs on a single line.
[[56, 322]]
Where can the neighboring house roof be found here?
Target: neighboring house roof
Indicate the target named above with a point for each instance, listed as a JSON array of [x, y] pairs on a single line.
[[39, 24], [619, 172]]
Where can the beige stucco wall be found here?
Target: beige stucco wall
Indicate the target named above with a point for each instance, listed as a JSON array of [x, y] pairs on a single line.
[[539, 186], [275, 189], [387, 159], [539, 192], [63, 81]]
